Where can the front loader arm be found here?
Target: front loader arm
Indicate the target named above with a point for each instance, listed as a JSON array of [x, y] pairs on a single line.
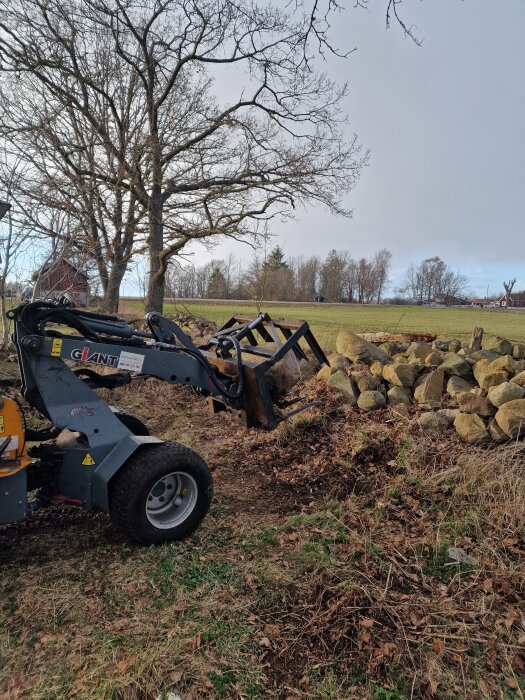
[[231, 368]]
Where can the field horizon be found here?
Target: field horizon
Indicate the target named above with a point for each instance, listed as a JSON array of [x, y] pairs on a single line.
[[326, 320]]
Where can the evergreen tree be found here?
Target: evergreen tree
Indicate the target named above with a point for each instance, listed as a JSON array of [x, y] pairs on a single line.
[[216, 284], [275, 260]]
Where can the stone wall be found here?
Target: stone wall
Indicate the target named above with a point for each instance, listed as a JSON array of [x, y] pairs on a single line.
[[479, 393]]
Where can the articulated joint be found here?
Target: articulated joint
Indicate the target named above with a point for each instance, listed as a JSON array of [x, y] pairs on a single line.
[[32, 343]]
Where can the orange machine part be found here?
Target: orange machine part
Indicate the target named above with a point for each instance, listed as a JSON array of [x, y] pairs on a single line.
[[14, 457]]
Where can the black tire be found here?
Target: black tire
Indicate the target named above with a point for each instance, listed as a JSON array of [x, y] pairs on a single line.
[[131, 422], [131, 488]]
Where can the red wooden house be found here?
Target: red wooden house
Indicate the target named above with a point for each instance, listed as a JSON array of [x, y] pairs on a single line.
[[517, 300], [61, 276]]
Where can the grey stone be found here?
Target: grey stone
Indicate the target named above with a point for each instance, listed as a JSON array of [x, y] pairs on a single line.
[[492, 377], [518, 351], [419, 350], [449, 413], [484, 355], [371, 401], [471, 428], [366, 381], [511, 418], [519, 379], [432, 421], [456, 385], [503, 393], [496, 433], [399, 374], [430, 388], [455, 365], [338, 361], [357, 349], [506, 363], [502, 346], [399, 394], [470, 403], [434, 359], [342, 382]]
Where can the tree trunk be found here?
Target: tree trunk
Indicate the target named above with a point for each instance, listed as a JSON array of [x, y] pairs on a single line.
[[112, 291], [4, 321], [157, 269]]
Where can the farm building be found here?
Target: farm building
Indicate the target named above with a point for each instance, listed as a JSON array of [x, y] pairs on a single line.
[[517, 300], [479, 302], [61, 276]]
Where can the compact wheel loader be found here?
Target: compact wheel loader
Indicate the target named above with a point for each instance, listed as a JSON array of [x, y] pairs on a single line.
[[96, 456]]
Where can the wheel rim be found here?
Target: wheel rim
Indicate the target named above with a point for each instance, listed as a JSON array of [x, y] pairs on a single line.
[[171, 500]]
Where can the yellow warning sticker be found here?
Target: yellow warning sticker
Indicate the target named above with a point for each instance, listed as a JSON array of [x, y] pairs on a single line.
[[88, 460], [56, 348], [2, 429]]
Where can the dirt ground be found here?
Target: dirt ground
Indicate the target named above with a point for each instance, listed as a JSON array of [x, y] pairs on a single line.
[[322, 570]]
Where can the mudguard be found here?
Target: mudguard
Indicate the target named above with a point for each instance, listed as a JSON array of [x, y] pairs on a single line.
[[113, 462]]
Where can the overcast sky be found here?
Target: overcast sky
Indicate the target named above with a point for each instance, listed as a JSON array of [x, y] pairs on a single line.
[[445, 125]]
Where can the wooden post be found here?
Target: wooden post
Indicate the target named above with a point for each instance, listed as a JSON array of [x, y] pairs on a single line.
[[477, 337]]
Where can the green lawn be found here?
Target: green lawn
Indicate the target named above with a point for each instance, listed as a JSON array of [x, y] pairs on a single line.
[[327, 320]]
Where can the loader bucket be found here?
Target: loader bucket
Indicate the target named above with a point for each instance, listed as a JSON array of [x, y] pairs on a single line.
[[266, 346]]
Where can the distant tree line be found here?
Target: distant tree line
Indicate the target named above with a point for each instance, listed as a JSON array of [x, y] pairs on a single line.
[[432, 280], [337, 278]]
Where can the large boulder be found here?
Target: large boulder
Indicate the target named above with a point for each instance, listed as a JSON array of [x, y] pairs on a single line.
[[308, 367], [284, 374], [511, 418], [519, 379], [399, 394], [471, 428], [503, 393], [366, 381], [419, 350], [470, 403], [377, 369], [390, 347], [484, 355], [432, 421], [502, 346], [457, 385], [518, 351], [495, 432], [454, 345], [434, 359], [326, 372], [338, 361], [491, 377], [479, 367], [430, 389], [371, 401], [342, 382], [506, 363], [357, 349], [399, 374], [449, 414], [455, 365]]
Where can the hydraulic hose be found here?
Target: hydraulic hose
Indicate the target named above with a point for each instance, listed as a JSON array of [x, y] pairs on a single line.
[[210, 370]]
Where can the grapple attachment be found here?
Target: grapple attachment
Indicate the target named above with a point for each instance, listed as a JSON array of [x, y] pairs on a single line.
[[271, 352]]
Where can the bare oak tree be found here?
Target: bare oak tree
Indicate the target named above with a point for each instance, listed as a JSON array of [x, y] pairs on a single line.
[[509, 286], [201, 166]]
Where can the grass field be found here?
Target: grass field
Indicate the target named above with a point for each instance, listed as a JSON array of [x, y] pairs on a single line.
[[321, 572], [327, 320]]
